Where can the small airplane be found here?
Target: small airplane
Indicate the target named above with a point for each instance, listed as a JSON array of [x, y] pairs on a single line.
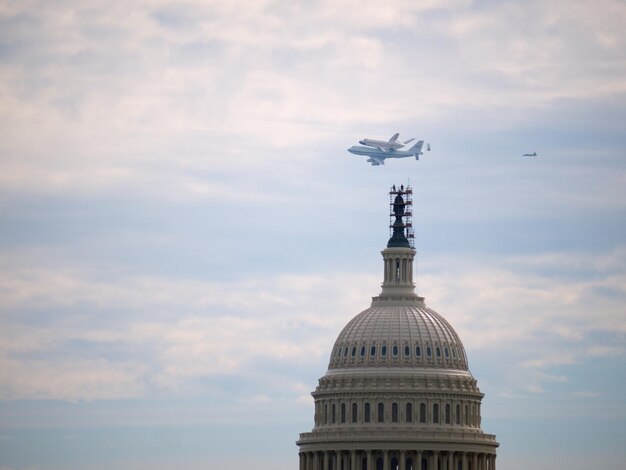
[[386, 145], [378, 156], [534, 154]]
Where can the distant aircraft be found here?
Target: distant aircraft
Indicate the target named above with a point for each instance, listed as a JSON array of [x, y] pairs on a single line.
[[386, 145], [378, 156], [534, 154]]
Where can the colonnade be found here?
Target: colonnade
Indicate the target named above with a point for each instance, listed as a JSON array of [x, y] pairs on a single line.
[[396, 460]]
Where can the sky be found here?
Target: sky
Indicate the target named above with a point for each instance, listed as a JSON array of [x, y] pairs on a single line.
[[183, 234]]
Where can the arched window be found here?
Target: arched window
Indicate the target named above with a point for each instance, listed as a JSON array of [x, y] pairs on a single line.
[[422, 412], [438, 350], [409, 413], [325, 414], [394, 412], [345, 351], [381, 412], [362, 351], [435, 413], [429, 351], [366, 414], [334, 414], [383, 351], [354, 413], [407, 351], [447, 413], [446, 352], [394, 350], [343, 412], [466, 416], [373, 351], [353, 351], [418, 351], [457, 419]]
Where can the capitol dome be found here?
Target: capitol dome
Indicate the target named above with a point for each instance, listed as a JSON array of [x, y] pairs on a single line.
[[410, 336], [398, 393]]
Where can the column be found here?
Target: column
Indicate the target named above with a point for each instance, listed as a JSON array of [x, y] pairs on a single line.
[[370, 465], [326, 460], [435, 460], [385, 460], [418, 460], [475, 461], [493, 461], [353, 460], [316, 461], [402, 460], [464, 457]]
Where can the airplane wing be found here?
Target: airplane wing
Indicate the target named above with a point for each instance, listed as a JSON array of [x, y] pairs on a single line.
[[394, 137], [410, 140], [375, 161]]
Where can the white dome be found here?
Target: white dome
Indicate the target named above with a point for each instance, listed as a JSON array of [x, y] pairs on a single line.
[[409, 335]]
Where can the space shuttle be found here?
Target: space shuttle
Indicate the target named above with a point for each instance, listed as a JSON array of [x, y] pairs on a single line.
[[386, 145]]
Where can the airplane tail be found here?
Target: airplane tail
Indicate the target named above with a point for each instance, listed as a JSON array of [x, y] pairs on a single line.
[[394, 137], [410, 140], [417, 149]]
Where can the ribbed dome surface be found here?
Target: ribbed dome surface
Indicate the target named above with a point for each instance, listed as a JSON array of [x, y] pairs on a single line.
[[399, 336]]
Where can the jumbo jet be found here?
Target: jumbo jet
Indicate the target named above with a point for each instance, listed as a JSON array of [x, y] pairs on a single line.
[[386, 145], [378, 156], [534, 154]]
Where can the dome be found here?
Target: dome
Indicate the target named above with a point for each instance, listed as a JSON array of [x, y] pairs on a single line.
[[398, 393], [409, 335]]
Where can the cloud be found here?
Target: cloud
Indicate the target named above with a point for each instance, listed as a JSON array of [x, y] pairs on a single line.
[[77, 336], [99, 97]]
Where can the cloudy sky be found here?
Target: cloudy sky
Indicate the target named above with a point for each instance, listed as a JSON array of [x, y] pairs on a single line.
[[183, 234]]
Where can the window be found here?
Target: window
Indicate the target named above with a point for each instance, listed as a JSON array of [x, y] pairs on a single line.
[[447, 413], [366, 414], [345, 351], [354, 413], [422, 412], [383, 351], [373, 351], [407, 351], [438, 350], [429, 351], [343, 412], [362, 351], [325, 414], [466, 416], [446, 352], [381, 412], [333, 414], [394, 412], [418, 351], [458, 414], [435, 413], [394, 351], [353, 351], [409, 413]]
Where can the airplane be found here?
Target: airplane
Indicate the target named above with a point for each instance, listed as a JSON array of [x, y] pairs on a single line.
[[386, 145], [378, 156], [534, 154]]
